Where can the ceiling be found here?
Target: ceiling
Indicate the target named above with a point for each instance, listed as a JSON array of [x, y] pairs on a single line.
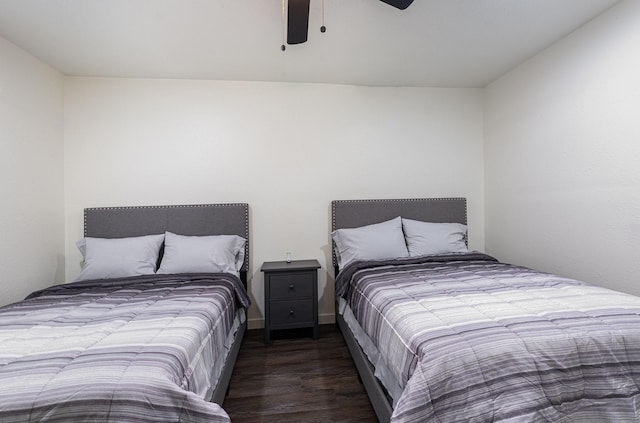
[[436, 43]]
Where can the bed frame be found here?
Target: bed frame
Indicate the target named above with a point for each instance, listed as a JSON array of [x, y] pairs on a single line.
[[354, 213], [195, 220]]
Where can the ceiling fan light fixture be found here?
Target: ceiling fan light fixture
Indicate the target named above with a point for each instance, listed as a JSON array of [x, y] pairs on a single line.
[[297, 19]]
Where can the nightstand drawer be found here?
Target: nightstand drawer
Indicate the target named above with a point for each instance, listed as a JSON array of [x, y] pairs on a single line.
[[291, 285], [291, 312]]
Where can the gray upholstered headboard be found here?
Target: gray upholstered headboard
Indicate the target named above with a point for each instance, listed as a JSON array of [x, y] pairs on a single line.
[[199, 219], [354, 213]]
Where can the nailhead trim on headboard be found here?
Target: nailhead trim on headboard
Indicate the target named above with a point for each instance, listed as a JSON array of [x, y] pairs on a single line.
[[245, 206], [392, 206]]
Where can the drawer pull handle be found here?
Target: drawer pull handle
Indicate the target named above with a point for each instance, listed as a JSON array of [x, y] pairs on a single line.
[[291, 287], [292, 313]]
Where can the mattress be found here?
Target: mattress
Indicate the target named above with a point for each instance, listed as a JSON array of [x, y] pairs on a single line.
[[464, 337], [138, 349]]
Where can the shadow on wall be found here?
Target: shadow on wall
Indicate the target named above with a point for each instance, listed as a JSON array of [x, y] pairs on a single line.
[[59, 276]]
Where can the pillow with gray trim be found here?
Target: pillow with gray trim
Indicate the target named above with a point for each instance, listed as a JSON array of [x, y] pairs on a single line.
[[202, 254], [434, 238], [106, 258], [378, 241]]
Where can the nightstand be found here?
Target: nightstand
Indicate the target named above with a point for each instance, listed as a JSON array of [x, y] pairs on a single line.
[[290, 296]]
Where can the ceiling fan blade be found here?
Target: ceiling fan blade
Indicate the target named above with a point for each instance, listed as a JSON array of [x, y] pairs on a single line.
[[297, 21], [400, 4]]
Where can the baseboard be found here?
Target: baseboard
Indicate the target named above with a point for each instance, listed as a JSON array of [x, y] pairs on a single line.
[[323, 319], [255, 324], [327, 319]]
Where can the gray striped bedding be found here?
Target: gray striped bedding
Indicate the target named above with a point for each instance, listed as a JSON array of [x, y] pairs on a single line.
[[119, 350], [471, 339]]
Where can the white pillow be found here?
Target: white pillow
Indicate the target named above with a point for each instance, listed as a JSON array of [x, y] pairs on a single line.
[[434, 238], [119, 257], [202, 254], [372, 242]]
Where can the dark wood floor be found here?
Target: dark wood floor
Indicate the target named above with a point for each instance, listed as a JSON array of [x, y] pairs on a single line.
[[296, 379]]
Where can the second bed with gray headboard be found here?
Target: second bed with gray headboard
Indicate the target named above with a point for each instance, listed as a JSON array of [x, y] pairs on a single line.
[[347, 214], [355, 213], [456, 335]]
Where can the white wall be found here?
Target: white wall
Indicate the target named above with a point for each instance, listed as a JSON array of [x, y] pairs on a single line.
[[286, 149], [562, 136], [31, 174]]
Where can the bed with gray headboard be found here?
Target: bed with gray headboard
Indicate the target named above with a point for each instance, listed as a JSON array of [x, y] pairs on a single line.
[[440, 333], [143, 347], [190, 220], [356, 213]]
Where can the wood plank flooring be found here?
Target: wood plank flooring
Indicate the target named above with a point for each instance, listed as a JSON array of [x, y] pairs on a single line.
[[296, 379]]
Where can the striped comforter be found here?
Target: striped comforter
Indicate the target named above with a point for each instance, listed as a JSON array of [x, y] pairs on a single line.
[[471, 339], [121, 350]]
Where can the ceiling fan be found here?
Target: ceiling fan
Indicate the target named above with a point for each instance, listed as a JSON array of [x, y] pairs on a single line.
[[298, 18]]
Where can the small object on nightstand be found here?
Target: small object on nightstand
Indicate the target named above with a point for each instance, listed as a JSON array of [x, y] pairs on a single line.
[[290, 296]]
